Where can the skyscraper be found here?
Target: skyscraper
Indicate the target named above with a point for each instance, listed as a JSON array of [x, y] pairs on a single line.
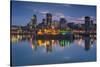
[[49, 19], [44, 21], [91, 21], [34, 19], [87, 23], [62, 23], [33, 22]]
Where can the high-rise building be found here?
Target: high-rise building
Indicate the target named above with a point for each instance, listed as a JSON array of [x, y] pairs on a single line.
[[87, 23], [91, 24], [55, 24], [44, 21], [48, 19], [62, 22], [91, 21], [71, 25], [33, 22]]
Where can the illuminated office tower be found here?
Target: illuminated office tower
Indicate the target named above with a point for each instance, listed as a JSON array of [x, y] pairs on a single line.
[[44, 21], [62, 23], [33, 22], [48, 19], [55, 24]]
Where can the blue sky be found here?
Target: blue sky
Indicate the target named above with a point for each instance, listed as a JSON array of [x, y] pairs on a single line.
[[22, 11]]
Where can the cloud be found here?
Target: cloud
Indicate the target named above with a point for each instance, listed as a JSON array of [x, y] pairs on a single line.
[[44, 11], [35, 10], [80, 18], [70, 17], [41, 11], [67, 5], [55, 15], [59, 14]]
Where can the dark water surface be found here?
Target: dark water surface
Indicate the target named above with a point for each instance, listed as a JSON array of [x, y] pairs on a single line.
[[28, 51]]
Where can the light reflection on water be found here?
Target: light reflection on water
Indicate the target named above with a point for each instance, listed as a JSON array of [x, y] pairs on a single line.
[[28, 51]]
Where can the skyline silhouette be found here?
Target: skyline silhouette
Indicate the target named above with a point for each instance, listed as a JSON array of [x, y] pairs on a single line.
[[22, 11]]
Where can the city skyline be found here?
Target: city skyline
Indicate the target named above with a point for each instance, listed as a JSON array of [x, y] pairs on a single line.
[[23, 11], [51, 33]]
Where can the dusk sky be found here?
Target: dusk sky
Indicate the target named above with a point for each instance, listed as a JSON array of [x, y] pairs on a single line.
[[22, 11]]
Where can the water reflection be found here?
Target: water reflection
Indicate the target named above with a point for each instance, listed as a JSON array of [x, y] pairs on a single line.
[[85, 42], [27, 50], [48, 44]]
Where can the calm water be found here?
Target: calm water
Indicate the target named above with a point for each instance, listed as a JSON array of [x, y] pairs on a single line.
[[28, 51]]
